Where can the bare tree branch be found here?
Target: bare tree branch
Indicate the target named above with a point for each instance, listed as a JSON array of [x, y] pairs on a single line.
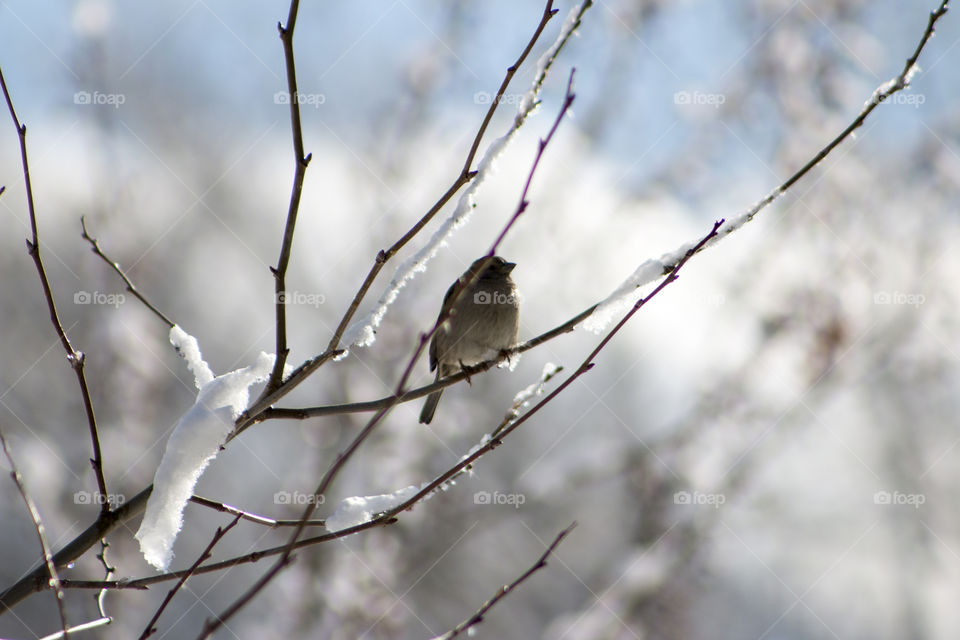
[[217, 536], [882, 93], [54, 582], [37, 579], [74, 357], [506, 589], [95, 247], [280, 271], [251, 517], [255, 556], [108, 572]]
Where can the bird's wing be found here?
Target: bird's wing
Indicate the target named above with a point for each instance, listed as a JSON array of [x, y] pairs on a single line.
[[447, 300]]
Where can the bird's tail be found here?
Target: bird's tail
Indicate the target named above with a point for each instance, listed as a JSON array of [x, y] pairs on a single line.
[[430, 407]]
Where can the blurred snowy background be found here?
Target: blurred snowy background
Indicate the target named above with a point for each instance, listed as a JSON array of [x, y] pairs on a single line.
[[769, 450]]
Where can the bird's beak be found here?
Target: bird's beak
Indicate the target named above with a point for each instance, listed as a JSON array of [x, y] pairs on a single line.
[[508, 267]]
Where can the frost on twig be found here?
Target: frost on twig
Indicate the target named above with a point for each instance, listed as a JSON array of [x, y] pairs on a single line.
[[523, 397], [360, 509], [626, 294], [362, 333]]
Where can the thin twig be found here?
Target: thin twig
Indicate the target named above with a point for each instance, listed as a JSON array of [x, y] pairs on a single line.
[[505, 590], [95, 247], [86, 626], [896, 85], [108, 571], [251, 517], [75, 358], [217, 536], [54, 582], [280, 271], [104, 584]]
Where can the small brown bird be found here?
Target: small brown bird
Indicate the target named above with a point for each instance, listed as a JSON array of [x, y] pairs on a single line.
[[483, 321]]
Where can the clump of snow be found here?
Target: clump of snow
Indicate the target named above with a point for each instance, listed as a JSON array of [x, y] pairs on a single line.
[[193, 444], [188, 348], [359, 509]]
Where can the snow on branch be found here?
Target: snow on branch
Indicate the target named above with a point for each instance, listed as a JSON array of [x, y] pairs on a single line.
[[361, 509], [193, 444], [363, 332], [624, 295]]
